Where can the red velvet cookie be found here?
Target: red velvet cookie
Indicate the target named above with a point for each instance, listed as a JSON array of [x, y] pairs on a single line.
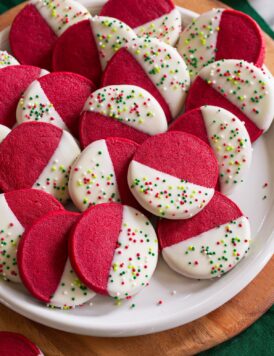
[[14, 80], [153, 66], [99, 175], [173, 175], [221, 34], [57, 98], [36, 28], [154, 18], [13, 344], [210, 243], [114, 250], [227, 136], [239, 87], [87, 46], [37, 155], [121, 111], [19, 209], [43, 262]]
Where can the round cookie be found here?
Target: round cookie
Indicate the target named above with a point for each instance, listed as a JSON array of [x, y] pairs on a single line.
[[173, 175], [44, 265], [99, 175], [37, 155], [239, 87], [7, 59], [209, 244], [13, 344], [227, 136], [151, 18], [19, 209], [56, 98], [4, 131], [36, 28], [114, 250], [123, 111], [153, 66], [14, 80], [87, 46], [221, 34]]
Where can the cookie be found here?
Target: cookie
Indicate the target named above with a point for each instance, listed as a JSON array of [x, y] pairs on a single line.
[[44, 265], [14, 80], [122, 111], [99, 175], [151, 18], [221, 34], [13, 344], [114, 250], [227, 136], [37, 155], [208, 245], [7, 59], [57, 98], [173, 175], [87, 46], [153, 66], [4, 131], [239, 87], [19, 209], [35, 29]]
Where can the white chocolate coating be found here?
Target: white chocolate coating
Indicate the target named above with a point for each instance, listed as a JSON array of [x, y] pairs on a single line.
[[4, 131], [197, 43], [11, 231], [165, 28], [7, 60], [230, 141], [165, 68], [244, 85], [135, 258], [130, 105], [110, 35], [61, 14], [165, 195], [34, 105], [212, 253], [54, 178], [92, 178], [71, 292]]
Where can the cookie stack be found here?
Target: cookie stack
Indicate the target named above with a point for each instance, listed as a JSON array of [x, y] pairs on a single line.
[[133, 117]]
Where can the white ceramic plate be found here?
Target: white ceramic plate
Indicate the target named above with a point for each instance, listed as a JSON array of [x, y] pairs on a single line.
[[193, 299]]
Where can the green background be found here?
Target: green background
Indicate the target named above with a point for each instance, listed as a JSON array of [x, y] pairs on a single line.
[[258, 339]]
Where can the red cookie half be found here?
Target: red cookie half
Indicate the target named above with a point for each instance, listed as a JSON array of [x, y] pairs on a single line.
[[173, 175], [99, 175], [37, 155], [14, 80], [210, 243], [43, 261], [36, 28], [113, 248], [57, 98], [13, 344], [135, 12], [19, 209]]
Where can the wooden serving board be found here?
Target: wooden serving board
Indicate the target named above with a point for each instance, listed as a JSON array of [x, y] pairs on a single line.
[[204, 333]]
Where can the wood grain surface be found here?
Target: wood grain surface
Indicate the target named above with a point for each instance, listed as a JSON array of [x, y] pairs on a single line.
[[204, 333]]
